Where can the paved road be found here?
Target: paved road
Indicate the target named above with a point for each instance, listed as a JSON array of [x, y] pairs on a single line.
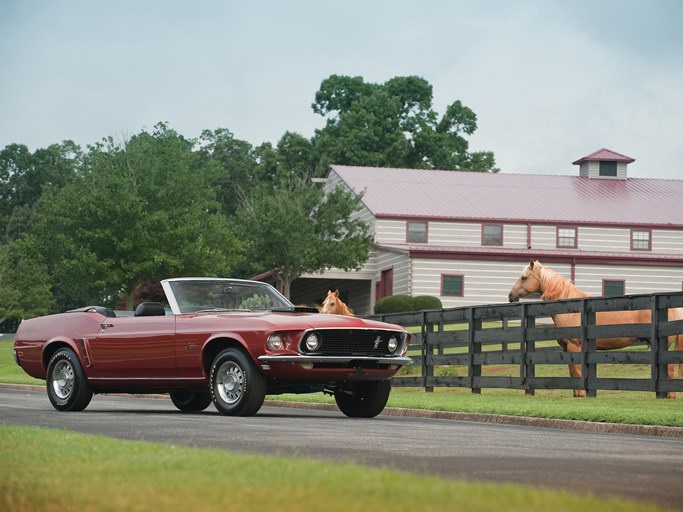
[[634, 467]]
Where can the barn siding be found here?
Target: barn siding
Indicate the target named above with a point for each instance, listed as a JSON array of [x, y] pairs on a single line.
[[390, 232], [601, 239], [667, 241], [400, 263], [449, 234], [334, 181], [637, 279]]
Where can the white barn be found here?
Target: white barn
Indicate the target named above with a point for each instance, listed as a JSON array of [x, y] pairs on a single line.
[[465, 237]]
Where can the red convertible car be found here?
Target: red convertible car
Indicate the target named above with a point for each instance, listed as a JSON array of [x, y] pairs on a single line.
[[226, 341]]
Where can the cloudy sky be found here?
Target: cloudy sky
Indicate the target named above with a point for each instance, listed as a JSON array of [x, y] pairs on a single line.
[[550, 80]]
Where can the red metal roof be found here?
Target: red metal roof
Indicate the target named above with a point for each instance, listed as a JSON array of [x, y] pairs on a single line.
[[605, 155], [454, 195]]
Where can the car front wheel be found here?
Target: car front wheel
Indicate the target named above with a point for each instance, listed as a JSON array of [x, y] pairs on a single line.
[[238, 388], [191, 402], [67, 387], [363, 399]]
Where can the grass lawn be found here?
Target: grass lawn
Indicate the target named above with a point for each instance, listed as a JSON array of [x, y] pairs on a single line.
[[52, 470]]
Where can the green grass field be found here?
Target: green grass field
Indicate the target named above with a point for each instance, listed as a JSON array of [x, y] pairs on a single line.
[[51, 470]]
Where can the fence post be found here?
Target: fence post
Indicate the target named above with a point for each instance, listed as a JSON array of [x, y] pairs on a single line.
[[589, 371], [658, 346], [473, 370], [427, 352], [527, 369]]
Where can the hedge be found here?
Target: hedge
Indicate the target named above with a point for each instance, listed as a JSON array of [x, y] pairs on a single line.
[[401, 303]]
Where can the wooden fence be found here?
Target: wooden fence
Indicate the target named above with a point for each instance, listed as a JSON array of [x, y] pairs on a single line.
[[501, 345]]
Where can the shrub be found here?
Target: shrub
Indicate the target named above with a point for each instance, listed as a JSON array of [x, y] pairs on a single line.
[[401, 303], [427, 302], [394, 304]]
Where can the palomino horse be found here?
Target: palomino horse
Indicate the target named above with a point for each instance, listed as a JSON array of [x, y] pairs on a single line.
[[552, 286], [333, 304]]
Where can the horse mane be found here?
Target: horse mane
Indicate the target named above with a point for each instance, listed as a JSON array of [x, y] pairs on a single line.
[[557, 287], [344, 309]]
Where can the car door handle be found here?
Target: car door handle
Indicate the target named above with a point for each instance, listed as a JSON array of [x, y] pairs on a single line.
[[105, 326]]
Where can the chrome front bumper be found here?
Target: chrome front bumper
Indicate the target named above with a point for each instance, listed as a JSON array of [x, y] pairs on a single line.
[[307, 359]]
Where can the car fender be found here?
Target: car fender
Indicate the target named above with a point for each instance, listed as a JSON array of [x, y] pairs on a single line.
[[219, 341], [58, 342]]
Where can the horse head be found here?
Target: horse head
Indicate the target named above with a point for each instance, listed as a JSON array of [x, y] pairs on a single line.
[[331, 302], [528, 282]]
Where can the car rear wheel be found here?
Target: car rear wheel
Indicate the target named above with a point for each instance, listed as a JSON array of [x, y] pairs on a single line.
[[191, 402], [363, 399], [67, 387], [238, 388]]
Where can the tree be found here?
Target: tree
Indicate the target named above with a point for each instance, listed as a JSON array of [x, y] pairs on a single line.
[[231, 165], [133, 212], [294, 228], [393, 125], [24, 282], [24, 176]]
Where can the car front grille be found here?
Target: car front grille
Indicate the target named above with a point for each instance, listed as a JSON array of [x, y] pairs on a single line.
[[353, 341]]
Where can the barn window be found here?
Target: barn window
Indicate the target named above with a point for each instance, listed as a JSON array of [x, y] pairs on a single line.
[[491, 234], [640, 240], [566, 237], [452, 285], [612, 288], [608, 169], [417, 232]]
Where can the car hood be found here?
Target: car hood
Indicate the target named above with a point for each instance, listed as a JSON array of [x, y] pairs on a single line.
[[287, 320]]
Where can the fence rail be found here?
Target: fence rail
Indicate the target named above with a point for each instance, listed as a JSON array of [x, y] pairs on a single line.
[[481, 342]]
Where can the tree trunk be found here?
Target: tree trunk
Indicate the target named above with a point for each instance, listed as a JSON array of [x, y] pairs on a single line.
[[287, 287], [130, 299]]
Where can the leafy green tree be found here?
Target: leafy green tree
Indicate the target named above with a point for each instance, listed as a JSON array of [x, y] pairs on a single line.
[[294, 228], [294, 158], [24, 282], [231, 165], [393, 125], [142, 210], [24, 176]]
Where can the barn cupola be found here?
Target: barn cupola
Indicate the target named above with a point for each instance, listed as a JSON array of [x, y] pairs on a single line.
[[604, 164]]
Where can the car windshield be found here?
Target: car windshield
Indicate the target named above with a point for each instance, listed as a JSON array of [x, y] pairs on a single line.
[[193, 295]]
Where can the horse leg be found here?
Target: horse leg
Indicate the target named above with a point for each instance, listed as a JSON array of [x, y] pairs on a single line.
[[675, 343], [572, 345]]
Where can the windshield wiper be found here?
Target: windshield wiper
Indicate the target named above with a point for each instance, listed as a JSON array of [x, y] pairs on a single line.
[[218, 310], [296, 309]]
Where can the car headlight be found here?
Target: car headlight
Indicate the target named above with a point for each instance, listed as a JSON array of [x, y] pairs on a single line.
[[393, 344], [276, 341], [312, 342]]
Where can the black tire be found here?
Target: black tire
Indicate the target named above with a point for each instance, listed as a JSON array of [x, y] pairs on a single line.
[[67, 386], [363, 399], [191, 402], [238, 388]]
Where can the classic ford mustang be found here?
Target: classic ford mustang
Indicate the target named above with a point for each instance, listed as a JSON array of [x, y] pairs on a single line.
[[226, 341]]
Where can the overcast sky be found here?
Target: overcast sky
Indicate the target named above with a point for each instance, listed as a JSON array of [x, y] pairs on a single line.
[[550, 81]]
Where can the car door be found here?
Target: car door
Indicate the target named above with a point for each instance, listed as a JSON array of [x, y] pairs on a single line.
[[135, 347]]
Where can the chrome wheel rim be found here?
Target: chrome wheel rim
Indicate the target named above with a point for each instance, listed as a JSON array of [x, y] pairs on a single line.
[[230, 382], [63, 379]]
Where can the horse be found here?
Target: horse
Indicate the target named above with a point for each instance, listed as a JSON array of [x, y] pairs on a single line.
[[333, 305], [553, 286]]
